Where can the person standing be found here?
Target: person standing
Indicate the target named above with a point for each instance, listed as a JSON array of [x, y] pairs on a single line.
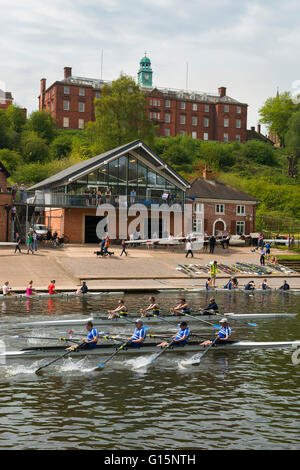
[[34, 236], [132, 196], [54, 237], [268, 251], [30, 243], [212, 243], [260, 241], [123, 244], [22, 190], [18, 241], [262, 256], [188, 249], [51, 288], [213, 273]]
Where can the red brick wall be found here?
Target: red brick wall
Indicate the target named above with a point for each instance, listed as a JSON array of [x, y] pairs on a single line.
[[5, 198], [229, 217]]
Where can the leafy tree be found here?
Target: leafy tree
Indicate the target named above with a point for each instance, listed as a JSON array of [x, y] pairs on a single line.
[[5, 137], [292, 139], [33, 148], [43, 124], [16, 117], [10, 159], [276, 112], [61, 146], [259, 152], [121, 117]]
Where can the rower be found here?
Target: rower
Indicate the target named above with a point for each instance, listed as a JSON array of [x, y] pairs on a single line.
[[181, 309], [181, 338], [264, 285], [90, 341], [212, 307], [83, 289], [139, 335], [223, 334], [6, 290], [208, 284], [152, 310], [285, 286], [51, 288], [250, 285], [120, 312]]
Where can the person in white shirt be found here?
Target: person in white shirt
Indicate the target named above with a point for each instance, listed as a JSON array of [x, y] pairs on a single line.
[[189, 249], [6, 290]]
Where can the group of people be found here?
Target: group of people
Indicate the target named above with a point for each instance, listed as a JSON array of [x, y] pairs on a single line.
[[18, 189], [139, 335], [211, 241], [264, 285]]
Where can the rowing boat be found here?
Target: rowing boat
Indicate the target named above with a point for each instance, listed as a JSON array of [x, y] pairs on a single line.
[[104, 321], [222, 289], [45, 295], [105, 349]]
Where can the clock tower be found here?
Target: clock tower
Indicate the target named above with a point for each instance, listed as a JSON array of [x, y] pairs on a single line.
[[145, 72]]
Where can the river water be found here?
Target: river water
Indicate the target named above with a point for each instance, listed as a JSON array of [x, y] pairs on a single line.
[[232, 400]]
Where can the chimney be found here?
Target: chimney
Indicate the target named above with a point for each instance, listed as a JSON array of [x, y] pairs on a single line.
[[204, 174], [42, 95], [252, 128], [67, 72], [259, 128], [222, 91], [43, 85]]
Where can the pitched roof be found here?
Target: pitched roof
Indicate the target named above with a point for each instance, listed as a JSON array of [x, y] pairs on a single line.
[[89, 165], [215, 189]]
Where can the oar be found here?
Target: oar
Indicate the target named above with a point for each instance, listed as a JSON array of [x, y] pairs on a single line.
[[120, 348], [58, 358], [129, 321], [200, 319], [207, 349], [217, 326], [162, 351], [73, 340]]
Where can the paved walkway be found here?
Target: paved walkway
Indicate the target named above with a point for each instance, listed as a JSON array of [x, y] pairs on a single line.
[[141, 269]]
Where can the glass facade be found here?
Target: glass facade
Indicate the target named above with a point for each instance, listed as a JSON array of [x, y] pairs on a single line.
[[121, 177]]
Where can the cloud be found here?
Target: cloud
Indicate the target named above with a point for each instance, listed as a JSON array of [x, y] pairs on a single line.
[[248, 46]]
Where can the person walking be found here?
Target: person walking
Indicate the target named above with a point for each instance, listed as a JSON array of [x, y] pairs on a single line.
[[123, 244], [54, 237], [189, 249], [262, 256], [30, 243], [34, 236], [18, 241]]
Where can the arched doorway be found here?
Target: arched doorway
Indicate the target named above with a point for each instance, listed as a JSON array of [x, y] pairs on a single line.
[[219, 226]]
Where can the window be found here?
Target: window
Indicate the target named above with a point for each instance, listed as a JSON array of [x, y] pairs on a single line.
[[81, 107], [154, 115], [81, 123], [194, 120], [226, 122], [238, 138], [240, 227], [81, 92], [206, 108], [168, 104], [198, 225], [66, 105], [238, 109], [194, 135], [205, 136], [195, 106], [66, 122], [226, 108], [238, 123], [199, 206], [240, 210], [98, 94], [225, 137], [220, 209], [182, 119], [167, 117], [167, 132], [182, 105], [181, 133], [66, 90], [206, 122]]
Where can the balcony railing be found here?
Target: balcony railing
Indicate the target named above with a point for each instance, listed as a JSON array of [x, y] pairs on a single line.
[[46, 199]]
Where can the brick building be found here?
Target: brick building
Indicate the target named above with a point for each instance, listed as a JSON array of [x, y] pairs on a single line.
[[219, 207], [204, 116], [5, 205], [6, 99]]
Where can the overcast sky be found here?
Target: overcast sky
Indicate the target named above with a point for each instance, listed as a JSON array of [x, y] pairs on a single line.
[[250, 47]]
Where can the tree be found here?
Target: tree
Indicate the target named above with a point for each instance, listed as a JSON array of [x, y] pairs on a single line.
[[10, 159], [33, 148], [16, 117], [276, 112], [292, 139], [5, 138], [43, 124], [61, 146], [121, 117], [259, 152]]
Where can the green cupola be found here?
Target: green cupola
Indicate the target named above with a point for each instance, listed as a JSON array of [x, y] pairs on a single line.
[[145, 72]]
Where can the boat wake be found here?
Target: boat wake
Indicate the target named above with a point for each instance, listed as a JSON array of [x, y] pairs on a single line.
[[140, 362], [18, 369]]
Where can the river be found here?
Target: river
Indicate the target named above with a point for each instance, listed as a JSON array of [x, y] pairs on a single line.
[[231, 400]]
